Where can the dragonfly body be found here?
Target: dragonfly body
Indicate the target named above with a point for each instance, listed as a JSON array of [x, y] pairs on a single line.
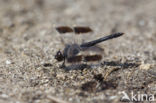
[[71, 50]]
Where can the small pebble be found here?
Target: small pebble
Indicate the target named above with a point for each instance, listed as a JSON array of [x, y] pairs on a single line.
[[145, 66], [8, 62]]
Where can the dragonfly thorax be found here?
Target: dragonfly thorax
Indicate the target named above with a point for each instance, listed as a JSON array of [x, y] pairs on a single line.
[[71, 50]]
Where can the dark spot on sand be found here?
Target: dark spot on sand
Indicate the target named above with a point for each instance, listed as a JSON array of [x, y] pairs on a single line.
[[98, 77], [47, 65], [89, 86]]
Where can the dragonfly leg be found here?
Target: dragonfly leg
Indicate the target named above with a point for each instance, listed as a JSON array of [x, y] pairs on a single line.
[[63, 64]]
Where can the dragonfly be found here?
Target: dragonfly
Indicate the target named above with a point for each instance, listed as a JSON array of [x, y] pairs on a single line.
[[73, 52]]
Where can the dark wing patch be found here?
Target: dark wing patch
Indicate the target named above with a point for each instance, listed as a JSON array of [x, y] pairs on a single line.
[[64, 29], [80, 29], [92, 58], [74, 59]]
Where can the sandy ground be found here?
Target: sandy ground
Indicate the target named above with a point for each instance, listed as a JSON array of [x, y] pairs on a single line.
[[28, 42]]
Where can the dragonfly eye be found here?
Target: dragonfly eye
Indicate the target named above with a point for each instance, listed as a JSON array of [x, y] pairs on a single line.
[[59, 56]]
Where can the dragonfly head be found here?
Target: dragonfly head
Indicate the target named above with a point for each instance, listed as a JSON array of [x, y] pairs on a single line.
[[59, 56]]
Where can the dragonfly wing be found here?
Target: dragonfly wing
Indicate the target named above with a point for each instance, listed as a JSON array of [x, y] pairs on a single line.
[[96, 49]]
